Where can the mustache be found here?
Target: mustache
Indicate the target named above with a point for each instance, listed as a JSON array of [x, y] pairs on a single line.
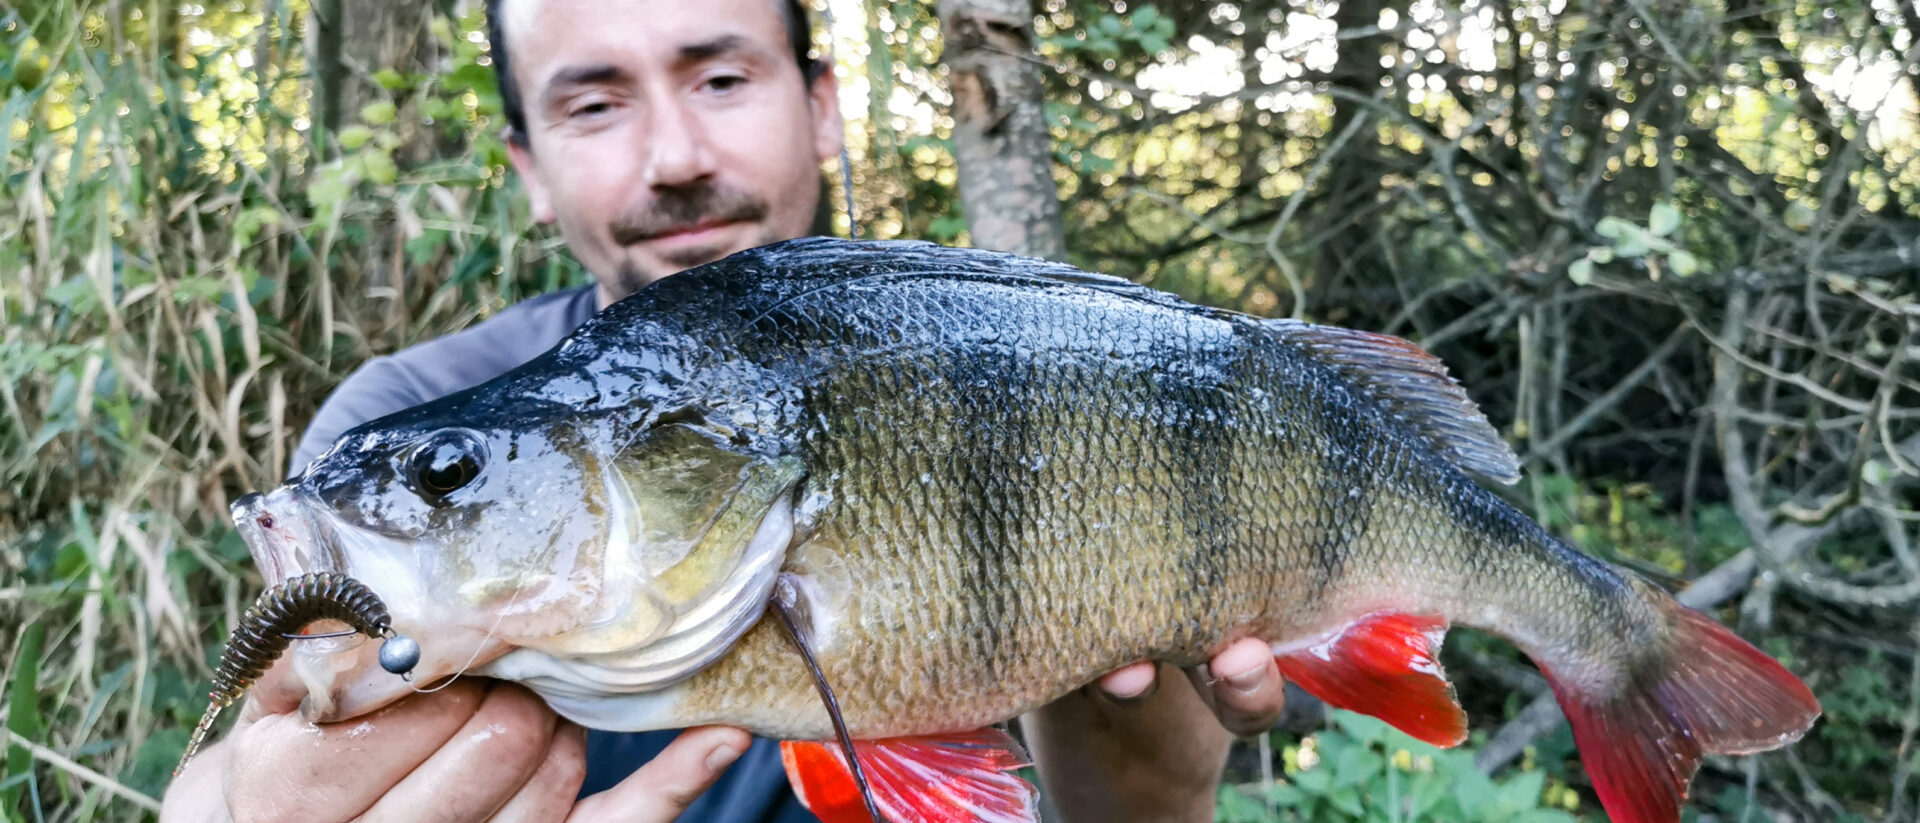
[[680, 208]]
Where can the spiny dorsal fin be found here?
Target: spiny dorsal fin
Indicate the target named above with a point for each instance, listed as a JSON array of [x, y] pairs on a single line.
[[1413, 386]]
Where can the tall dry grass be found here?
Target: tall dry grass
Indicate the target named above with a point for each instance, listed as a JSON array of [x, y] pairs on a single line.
[[184, 281]]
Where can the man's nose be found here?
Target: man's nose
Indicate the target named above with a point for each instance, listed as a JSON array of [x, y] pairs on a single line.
[[678, 152]]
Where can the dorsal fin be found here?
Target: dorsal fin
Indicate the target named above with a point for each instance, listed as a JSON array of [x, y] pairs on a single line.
[[1413, 386]]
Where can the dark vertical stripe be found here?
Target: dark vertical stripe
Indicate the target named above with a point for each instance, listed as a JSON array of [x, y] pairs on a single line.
[[1350, 446], [996, 395], [1199, 395]]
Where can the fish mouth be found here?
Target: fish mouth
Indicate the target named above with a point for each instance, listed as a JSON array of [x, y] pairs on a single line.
[[289, 535], [284, 537]]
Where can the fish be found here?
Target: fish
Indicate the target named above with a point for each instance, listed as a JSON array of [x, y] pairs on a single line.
[[985, 480]]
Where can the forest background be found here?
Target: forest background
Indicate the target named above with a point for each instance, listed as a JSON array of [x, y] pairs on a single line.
[[1672, 248]]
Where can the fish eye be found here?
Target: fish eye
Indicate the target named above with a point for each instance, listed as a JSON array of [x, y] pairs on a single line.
[[445, 462]]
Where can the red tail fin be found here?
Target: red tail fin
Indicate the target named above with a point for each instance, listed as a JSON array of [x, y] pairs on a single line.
[[1717, 695]]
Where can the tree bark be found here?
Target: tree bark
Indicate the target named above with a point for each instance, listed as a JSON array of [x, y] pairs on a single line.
[[352, 39], [1000, 138]]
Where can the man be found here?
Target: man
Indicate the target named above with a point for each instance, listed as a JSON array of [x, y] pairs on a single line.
[[658, 134]]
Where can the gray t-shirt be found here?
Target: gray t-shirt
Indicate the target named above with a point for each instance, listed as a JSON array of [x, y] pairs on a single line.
[[754, 789], [444, 365]]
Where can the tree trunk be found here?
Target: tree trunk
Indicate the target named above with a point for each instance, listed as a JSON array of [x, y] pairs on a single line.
[[352, 39], [1353, 180], [1000, 138]]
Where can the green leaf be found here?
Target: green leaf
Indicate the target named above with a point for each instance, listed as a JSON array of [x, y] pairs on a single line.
[[947, 227], [1874, 473], [1683, 262], [353, 137], [1799, 216], [1347, 799], [1600, 254], [1581, 271], [1145, 16], [1110, 26], [1356, 765], [23, 706], [380, 167], [1634, 243], [1664, 219], [1314, 781], [476, 77], [378, 114], [1427, 791], [152, 765], [391, 80], [1613, 228], [1523, 791], [251, 221]]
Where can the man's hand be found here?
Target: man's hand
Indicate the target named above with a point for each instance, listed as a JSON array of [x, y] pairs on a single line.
[[477, 750], [1136, 746]]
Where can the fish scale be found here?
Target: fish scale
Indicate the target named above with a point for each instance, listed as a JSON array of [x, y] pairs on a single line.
[[1186, 529]]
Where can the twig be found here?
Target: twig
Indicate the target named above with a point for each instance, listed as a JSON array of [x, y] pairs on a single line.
[[1613, 396]]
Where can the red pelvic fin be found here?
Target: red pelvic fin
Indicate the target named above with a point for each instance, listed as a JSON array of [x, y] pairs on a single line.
[[1385, 665], [1718, 695], [950, 778]]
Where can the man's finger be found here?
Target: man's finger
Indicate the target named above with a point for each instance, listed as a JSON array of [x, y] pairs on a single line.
[[1134, 682], [1243, 686], [670, 782], [286, 769], [548, 795], [489, 758]]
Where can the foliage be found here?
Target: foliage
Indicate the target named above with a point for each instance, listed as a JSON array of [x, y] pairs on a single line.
[[1668, 247], [186, 279], [1364, 771]]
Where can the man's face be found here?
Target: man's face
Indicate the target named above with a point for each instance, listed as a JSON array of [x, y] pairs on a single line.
[[662, 134]]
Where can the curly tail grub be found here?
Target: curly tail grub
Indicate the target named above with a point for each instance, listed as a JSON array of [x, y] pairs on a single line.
[[272, 624]]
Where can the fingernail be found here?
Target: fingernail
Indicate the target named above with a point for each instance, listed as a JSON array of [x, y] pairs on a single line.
[[1151, 687], [1247, 682], [722, 757]]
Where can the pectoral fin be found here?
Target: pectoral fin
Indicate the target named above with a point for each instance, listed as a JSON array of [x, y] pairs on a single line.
[[1385, 665], [965, 776]]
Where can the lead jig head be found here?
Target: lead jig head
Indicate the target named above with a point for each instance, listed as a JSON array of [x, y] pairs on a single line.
[[399, 654]]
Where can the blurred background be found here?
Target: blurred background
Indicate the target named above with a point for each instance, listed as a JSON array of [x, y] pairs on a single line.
[[1671, 247]]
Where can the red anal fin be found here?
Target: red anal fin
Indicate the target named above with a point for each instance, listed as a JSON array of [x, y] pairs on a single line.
[[1718, 694], [1385, 665], [950, 778]]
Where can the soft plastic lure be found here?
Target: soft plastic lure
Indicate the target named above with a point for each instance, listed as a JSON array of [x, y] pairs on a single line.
[[274, 622]]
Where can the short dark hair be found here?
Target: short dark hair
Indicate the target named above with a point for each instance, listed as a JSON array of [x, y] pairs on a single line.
[[793, 13]]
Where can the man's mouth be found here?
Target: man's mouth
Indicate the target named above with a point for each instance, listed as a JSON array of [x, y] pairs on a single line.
[[694, 232]]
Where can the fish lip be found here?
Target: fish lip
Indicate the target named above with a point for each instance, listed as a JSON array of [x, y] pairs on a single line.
[[285, 533]]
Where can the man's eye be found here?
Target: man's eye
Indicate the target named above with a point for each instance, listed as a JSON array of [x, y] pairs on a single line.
[[725, 83], [592, 109]]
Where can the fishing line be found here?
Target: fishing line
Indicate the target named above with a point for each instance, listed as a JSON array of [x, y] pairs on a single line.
[[491, 631], [846, 160]]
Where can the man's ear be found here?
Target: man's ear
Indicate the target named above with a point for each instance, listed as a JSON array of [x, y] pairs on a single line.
[[524, 165], [829, 131]]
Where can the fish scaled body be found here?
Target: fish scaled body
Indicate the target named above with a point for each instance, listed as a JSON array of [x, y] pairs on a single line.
[[991, 479]]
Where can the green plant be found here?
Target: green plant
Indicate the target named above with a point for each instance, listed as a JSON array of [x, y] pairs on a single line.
[[1364, 771]]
